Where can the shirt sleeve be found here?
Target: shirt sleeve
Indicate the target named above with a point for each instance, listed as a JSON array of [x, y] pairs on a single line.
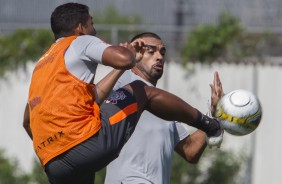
[[90, 48], [123, 80], [182, 131], [83, 56]]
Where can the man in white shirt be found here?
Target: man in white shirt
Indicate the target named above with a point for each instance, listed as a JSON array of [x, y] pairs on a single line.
[[147, 156]]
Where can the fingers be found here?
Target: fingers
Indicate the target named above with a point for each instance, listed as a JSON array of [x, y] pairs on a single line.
[[214, 97], [139, 47], [138, 41], [138, 44], [213, 92], [217, 85], [216, 81], [125, 44], [216, 92]]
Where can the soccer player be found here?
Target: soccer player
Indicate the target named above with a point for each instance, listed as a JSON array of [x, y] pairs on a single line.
[[71, 136], [148, 154]]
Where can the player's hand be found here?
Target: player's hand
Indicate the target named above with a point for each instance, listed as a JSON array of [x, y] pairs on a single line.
[[216, 92], [128, 46], [139, 47], [214, 132], [215, 141]]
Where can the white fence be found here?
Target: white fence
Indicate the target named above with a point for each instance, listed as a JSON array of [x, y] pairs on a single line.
[[194, 88]]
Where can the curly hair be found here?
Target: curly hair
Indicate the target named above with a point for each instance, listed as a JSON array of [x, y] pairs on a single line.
[[66, 17]]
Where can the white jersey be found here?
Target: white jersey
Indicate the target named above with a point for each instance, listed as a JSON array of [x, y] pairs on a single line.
[[83, 56], [147, 156]]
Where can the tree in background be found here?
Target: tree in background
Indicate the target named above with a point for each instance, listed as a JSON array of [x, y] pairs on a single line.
[[208, 42], [10, 173], [183, 172], [215, 167], [25, 45], [112, 17], [227, 41], [38, 175], [22, 46]]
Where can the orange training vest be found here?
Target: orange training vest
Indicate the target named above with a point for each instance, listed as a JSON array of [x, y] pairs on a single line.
[[63, 111]]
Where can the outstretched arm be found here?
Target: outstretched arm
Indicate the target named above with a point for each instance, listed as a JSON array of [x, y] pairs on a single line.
[[192, 147]]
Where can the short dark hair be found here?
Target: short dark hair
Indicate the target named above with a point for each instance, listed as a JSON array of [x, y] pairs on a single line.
[[66, 17], [146, 34]]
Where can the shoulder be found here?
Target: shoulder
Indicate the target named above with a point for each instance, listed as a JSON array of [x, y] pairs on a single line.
[[88, 47], [88, 39], [135, 77]]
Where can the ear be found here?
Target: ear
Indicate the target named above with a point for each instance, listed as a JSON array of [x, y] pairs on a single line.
[[79, 29]]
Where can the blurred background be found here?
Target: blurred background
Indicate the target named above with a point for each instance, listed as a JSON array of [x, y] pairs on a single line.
[[242, 40]]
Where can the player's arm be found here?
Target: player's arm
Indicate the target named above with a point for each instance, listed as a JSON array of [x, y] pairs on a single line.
[[118, 57], [216, 94], [26, 121], [104, 86], [124, 56], [192, 147]]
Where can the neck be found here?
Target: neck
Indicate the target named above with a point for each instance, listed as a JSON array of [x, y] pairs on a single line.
[[141, 73]]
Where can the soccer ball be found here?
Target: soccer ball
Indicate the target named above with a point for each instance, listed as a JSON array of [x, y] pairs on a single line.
[[239, 112]]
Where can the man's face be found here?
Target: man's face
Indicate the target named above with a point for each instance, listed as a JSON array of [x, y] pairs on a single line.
[[88, 28], [152, 63]]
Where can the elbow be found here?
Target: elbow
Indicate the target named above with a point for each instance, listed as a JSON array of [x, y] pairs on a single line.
[[193, 163], [26, 121], [25, 126], [28, 130], [193, 159]]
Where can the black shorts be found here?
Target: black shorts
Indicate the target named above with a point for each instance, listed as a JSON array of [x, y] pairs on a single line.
[[79, 164]]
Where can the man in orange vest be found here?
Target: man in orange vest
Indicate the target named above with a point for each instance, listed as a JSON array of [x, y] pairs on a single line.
[[71, 136]]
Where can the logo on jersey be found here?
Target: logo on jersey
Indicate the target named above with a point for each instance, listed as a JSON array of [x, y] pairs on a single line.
[[115, 96], [49, 140]]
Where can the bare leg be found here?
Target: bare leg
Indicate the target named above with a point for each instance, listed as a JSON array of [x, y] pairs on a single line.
[[170, 107]]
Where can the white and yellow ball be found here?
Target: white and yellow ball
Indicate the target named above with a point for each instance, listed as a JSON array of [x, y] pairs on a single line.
[[239, 112]]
